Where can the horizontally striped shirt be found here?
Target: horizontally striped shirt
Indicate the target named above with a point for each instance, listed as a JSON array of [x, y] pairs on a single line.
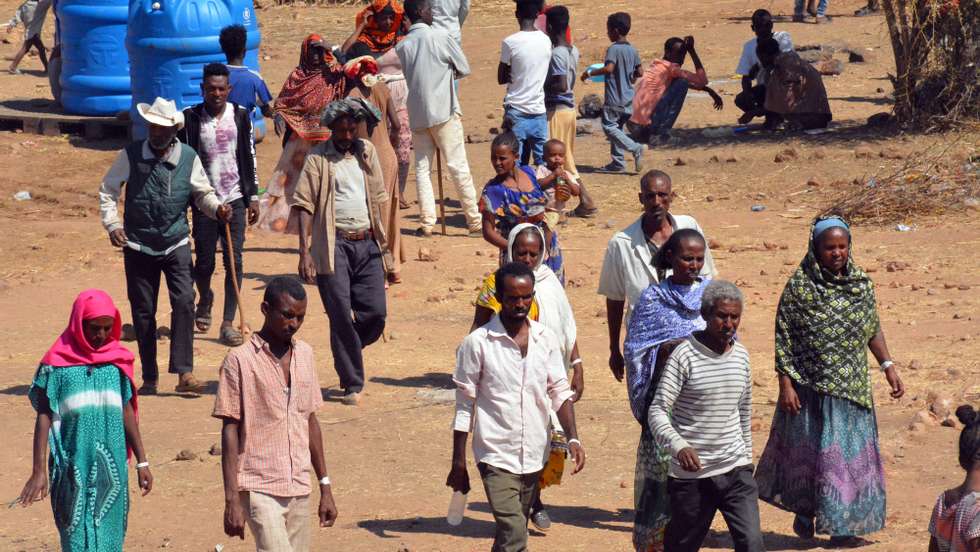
[[704, 401], [274, 430]]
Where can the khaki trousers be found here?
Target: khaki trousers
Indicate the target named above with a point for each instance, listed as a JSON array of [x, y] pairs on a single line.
[[279, 524], [449, 138], [510, 496]]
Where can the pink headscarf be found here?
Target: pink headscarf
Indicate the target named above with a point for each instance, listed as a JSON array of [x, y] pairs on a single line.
[[72, 349]]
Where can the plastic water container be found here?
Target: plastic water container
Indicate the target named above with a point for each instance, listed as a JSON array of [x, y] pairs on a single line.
[[457, 505], [597, 78], [170, 42], [95, 66]]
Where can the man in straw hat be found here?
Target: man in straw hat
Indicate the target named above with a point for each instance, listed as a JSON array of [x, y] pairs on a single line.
[[163, 178]]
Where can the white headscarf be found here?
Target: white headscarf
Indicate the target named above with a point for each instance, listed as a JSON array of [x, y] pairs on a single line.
[[554, 310]]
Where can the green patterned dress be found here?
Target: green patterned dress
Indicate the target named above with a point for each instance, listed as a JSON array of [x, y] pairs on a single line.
[[87, 463]]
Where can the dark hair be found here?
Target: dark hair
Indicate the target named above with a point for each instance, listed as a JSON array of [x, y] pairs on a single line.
[[233, 39], [767, 46], [527, 9], [674, 43], [510, 270], [280, 285], [554, 142], [969, 437], [673, 244], [652, 175], [508, 139], [557, 18], [215, 70], [413, 9], [761, 17], [620, 22]]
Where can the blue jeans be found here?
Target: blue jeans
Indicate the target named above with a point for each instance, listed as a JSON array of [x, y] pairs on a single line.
[[531, 131], [799, 5], [613, 121], [664, 115]]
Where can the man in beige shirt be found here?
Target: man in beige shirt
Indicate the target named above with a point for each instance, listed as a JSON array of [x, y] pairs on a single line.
[[267, 399], [338, 199]]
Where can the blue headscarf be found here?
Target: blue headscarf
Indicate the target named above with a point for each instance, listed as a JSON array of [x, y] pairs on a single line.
[[664, 312], [825, 224]]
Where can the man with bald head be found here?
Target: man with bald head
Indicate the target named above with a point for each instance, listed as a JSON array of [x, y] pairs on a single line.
[[628, 269]]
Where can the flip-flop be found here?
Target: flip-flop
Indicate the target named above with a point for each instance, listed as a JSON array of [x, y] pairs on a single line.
[[202, 316], [231, 337]]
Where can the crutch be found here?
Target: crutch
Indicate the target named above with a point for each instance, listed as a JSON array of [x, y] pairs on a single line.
[[442, 195], [234, 279]]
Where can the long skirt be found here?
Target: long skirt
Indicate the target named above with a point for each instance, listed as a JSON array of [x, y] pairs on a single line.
[[274, 207], [562, 126], [650, 495], [824, 465]]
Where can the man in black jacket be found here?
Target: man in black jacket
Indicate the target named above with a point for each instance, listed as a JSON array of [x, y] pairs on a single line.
[[221, 134]]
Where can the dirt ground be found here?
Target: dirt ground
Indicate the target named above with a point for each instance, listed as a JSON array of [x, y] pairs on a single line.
[[388, 458]]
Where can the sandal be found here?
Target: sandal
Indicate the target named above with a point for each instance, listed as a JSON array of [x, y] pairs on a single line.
[[402, 204], [582, 212], [188, 384], [230, 337], [148, 388], [394, 278], [202, 315]]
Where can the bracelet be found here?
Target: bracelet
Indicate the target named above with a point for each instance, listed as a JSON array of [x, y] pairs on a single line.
[[576, 362], [142, 465], [325, 481], [570, 441], [886, 365]]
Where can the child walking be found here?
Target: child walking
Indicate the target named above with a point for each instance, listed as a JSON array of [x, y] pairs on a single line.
[[955, 523], [31, 14], [622, 68]]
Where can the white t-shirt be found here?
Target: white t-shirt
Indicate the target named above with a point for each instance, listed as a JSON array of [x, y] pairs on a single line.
[[350, 199], [219, 153], [749, 58], [529, 55]]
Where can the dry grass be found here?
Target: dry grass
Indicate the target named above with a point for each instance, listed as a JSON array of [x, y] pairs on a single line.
[[937, 182]]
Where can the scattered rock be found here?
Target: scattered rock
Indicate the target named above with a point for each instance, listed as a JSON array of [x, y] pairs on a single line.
[[574, 282], [958, 316], [917, 427], [731, 159], [585, 127], [491, 116], [787, 154], [916, 287], [951, 421], [818, 154], [714, 244], [714, 159], [854, 57], [954, 372], [457, 288], [880, 119], [590, 107], [186, 455], [479, 253], [436, 299], [756, 425], [963, 287], [494, 131], [679, 162], [915, 365], [939, 405], [879, 90], [925, 417], [758, 208], [601, 313], [829, 66], [863, 153], [215, 450], [426, 255], [623, 485], [709, 198], [763, 273], [895, 266], [931, 291], [478, 138], [814, 55], [891, 153]]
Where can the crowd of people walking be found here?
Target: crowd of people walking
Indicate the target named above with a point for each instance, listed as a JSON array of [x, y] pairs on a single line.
[[350, 118]]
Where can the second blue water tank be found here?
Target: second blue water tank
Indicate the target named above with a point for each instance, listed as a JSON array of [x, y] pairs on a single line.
[[95, 68], [170, 42]]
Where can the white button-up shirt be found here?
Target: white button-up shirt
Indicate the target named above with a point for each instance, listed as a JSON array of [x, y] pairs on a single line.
[[507, 399], [627, 268], [430, 60]]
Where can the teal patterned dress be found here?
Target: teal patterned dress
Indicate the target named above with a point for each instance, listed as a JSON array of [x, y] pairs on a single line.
[[87, 462]]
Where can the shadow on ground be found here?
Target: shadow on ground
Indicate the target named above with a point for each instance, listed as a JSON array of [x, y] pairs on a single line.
[[432, 380]]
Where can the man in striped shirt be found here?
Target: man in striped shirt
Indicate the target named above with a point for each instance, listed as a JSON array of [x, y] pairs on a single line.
[[701, 415]]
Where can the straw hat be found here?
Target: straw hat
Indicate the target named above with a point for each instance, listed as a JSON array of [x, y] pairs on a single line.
[[162, 112]]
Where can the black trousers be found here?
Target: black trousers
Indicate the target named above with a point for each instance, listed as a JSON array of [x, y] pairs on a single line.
[[751, 99], [354, 298], [143, 287], [207, 232], [693, 503]]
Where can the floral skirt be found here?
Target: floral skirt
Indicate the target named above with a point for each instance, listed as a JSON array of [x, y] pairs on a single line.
[[824, 465], [650, 495]]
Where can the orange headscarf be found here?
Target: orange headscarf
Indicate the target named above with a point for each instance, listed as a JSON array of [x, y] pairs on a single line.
[[377, 39], [309, 89]]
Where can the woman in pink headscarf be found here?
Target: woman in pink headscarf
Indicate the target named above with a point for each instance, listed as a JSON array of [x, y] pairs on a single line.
[[84, 396]]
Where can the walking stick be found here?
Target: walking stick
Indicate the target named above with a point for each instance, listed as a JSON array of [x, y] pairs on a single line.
[[442, 195], [234, 279]]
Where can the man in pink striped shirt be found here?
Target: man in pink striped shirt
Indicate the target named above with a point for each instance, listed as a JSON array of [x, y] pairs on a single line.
[[662, 89], [268, 395]]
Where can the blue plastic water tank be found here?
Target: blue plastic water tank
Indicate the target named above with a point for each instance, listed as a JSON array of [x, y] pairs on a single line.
[[170, 42], [95, 66]]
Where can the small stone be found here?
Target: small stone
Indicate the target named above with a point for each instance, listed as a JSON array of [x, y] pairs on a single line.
[[787, 154], [186, 455], [771, 246], [731, 159], [758, 208], [963, 287], [763, 273], [427, 255], [435, 299], [478, 138], [709, 198], [479, 253], [457, 287], [829, 66], [812, 183], [714, 159], [494, 131], [854, 57], [954, 372], [215, 450], [714, 244], [917, 427], [601, 313], [931, 291], [939, 405], [491, 116], [916, 287], [623, 485], [951, 421], [679, 162], [879, 90], [755, 426], [818, 154], [895, 266], [957, 316], [863, 153]]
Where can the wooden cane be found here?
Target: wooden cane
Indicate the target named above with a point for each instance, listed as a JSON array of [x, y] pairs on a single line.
[[234, 279], [442, 195]]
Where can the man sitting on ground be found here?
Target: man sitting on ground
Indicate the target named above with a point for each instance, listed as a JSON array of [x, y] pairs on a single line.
[[752, 98], [794, 90], [662, 89]]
